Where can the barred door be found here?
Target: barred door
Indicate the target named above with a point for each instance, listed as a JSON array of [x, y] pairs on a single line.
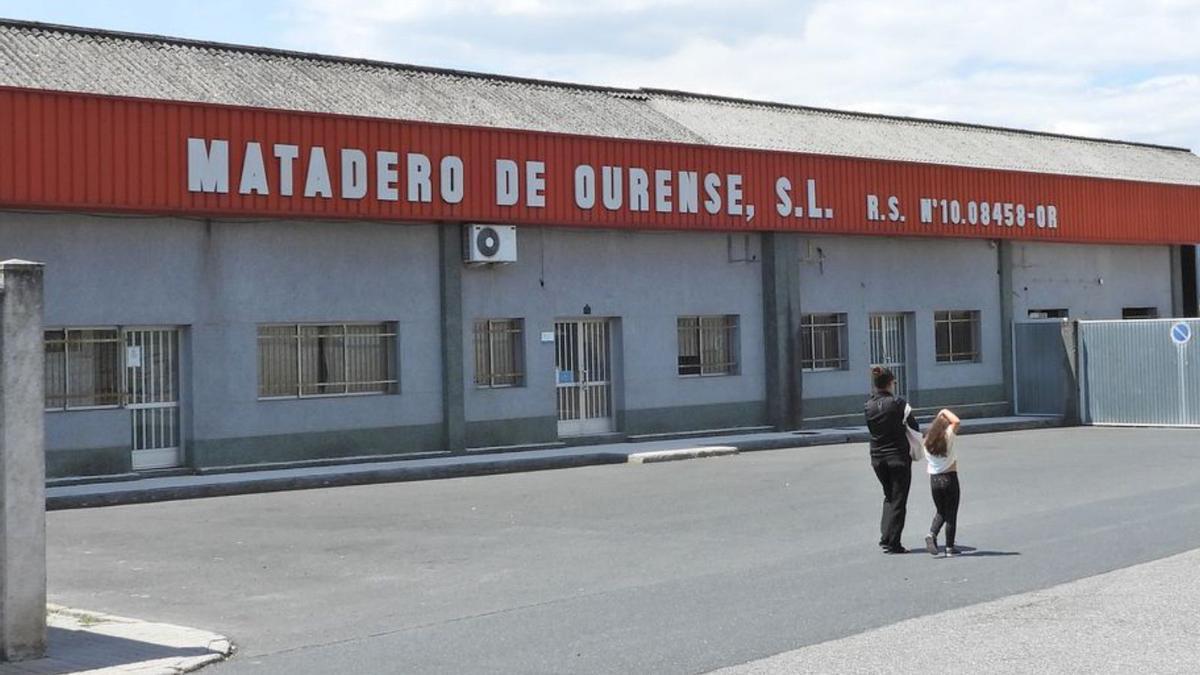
[[152, 396], [889, 347], [583, 372]]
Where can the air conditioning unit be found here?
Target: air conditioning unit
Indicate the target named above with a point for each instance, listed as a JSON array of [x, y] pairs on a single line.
[[489, 244]]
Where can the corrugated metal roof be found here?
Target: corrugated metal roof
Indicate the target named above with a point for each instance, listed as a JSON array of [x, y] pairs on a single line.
[[40, 56]]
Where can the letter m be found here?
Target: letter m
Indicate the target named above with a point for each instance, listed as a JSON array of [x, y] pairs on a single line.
[[208, 170]]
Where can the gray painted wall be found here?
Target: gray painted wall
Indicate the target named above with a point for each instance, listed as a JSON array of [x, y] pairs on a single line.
[[646, 280], [861, 276], [1047, 276], [220, 280]]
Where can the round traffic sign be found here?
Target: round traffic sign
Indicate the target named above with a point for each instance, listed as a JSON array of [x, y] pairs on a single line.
[[1181, 333]]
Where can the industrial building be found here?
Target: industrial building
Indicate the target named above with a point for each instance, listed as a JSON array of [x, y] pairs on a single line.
[[257, 256]]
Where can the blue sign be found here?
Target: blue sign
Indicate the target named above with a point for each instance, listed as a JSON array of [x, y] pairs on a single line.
[[566, 377], [1181, 333]]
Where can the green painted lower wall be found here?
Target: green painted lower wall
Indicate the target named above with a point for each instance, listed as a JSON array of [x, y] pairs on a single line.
[[317, 445], [694, 418], [519, 431], [980, 401], [88, 462]]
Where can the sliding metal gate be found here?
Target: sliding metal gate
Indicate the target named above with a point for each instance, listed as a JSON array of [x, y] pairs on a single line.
[[583, 374], [1134, 374], [889, 347], [152, 396]]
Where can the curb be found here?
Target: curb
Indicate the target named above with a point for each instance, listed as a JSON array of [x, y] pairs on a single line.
[[247, 483], [656, 456], [388, 475]]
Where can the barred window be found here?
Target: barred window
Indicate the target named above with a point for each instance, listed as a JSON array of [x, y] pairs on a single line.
[[499, 353], [708, 345], [82, 368], [1139, 313], [326, 359], [823, 342], [956, 334]]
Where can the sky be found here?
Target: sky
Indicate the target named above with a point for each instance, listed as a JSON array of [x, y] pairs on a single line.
[[1126, 69]]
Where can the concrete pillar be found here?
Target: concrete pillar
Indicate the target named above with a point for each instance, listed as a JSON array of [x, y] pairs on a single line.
[[22, 464], [453, 392], [781, 328], [1004, 269]]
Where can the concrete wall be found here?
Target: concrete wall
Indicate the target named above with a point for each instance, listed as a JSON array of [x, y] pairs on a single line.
[[864, 276], [646, 280], [1049, 276], [219, 281]]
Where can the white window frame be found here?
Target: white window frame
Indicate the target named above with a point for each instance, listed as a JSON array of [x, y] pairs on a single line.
[[732, 335], [387, 330], [840, 323], [487, 330]]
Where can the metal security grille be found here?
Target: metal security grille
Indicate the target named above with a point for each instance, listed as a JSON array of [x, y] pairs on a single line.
[[499, 351], [956, 336], [823, 342], [152, 396], [707, 345], [889, 347], [82, 368], [326, 360], [1041, 371], [583, 371], [1132, 373]]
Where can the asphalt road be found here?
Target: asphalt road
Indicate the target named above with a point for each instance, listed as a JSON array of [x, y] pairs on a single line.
[[670, 568]]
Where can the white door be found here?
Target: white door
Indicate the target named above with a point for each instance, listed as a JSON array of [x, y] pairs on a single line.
[[889, 347], [583, 376], [152, 396]]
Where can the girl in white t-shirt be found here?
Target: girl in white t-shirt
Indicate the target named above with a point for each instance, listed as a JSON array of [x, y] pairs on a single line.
[[943, 479]]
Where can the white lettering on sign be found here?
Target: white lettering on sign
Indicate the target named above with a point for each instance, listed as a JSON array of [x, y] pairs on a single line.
[[453, 179], [389, 175], [208, 165], [354, 173], [254, 172], [988, 214], [286, 154], [317, 181]]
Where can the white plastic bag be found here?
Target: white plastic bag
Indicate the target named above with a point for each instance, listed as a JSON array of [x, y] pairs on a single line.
[[916, 444]]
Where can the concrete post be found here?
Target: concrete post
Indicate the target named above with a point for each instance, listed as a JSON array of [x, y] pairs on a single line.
[[1004, 269], [453, 393], [22, 464], [781, 328]]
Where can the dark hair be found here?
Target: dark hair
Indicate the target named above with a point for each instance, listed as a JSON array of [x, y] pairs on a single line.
[[935, 438], [881, 377]]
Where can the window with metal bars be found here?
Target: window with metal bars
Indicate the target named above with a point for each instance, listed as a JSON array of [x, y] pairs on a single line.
[[82, 368], [341, 359], [499, 353], [956, 334], [823, 342], [708, 345], [1139, 313]]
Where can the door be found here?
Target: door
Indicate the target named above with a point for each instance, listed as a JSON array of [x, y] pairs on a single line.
[[152, 396], [583, 376], [889, 347]]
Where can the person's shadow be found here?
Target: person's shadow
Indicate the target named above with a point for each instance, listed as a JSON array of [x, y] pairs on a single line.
[[971, 551]]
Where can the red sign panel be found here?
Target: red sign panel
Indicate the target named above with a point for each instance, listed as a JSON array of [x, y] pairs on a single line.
[[78, 152]]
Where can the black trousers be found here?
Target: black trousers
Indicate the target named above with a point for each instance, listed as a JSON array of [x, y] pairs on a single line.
[[945, 498], [895, 476]]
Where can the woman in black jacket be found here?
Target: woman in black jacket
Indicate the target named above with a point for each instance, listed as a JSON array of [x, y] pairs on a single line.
[[888, 416]]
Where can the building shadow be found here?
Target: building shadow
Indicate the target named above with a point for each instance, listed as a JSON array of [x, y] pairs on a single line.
[[70, 651]]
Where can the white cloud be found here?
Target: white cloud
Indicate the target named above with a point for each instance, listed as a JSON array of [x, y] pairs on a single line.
[[1105, 68]]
